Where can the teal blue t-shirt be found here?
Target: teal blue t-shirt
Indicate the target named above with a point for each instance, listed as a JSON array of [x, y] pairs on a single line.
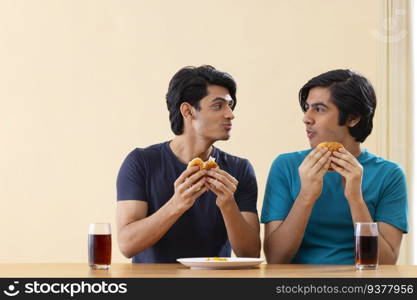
[[329, 237]]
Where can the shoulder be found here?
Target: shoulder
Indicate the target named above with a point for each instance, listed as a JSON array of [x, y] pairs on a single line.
[[152, 150], [143, 157], [376, 163], [290, 159], [147, 153], [388, 174], [231, 160], [238, 167]]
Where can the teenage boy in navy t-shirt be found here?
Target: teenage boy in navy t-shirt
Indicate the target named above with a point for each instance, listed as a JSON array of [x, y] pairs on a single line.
[[166, 211]]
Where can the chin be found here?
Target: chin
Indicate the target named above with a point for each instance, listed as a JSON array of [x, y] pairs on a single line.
[[313, 144], [223, 138]]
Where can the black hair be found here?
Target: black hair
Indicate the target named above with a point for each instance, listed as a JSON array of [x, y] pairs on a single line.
[[190, 85], [353, 95]]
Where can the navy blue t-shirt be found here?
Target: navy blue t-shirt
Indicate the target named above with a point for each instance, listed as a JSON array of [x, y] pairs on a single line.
[[148, 174]]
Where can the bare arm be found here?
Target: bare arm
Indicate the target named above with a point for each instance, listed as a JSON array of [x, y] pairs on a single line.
[[137, 231], [283, 237], [389, 240], [242, 227], [389, 243], [243, 231]]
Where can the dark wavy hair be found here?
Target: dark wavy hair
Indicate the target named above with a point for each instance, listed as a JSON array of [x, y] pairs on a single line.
[[353, 95], [190, 85]]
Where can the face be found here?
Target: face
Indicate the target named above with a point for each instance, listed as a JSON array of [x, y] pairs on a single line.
[[321, 118], [214, 119]]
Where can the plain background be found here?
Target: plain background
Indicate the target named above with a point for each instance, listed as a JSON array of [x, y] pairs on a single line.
[[82, 83]]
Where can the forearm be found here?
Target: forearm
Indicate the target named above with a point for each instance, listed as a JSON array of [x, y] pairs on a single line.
[[360, 213], [282, 244], [142, 234], [387, 255], [244, 238]]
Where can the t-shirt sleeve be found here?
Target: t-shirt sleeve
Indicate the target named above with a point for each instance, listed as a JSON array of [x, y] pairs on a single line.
[[247, 189], [277, 199], [392, 207], [131, 180]]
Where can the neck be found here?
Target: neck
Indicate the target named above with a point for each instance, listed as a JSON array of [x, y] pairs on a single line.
[[186, 148], [353, 147]]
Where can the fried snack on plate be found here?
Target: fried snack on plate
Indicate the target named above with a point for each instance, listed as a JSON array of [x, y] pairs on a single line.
[[331, 146], [217, 259]]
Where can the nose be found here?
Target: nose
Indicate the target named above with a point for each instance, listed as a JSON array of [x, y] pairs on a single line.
[[229, 113], [307, 118]]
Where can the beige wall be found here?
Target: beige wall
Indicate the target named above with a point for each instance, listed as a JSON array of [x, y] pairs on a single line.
[[83, 82]]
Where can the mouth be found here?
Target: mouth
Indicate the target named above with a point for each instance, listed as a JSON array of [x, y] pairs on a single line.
[[310, 133], [227, 126]]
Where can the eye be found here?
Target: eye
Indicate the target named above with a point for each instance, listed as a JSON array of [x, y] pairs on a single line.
[[217, 106], [320, 109]]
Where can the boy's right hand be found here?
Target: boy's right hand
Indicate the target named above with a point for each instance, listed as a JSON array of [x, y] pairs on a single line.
[[312, 171], [188, 187]]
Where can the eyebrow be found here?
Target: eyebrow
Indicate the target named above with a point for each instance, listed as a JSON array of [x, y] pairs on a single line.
[[221, 99], [317, 104]]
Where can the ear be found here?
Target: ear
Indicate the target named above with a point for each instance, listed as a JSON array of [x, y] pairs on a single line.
[[186, 110], [352, 121]]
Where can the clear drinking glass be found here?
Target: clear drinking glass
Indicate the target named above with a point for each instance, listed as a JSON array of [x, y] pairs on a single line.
[[99, 245], [366, 250]]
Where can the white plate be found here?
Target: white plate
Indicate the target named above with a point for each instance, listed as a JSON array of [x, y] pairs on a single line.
[[212, 263]]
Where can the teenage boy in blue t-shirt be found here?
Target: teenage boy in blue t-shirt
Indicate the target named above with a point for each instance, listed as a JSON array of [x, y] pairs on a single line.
[[309, 212], [166, 211]]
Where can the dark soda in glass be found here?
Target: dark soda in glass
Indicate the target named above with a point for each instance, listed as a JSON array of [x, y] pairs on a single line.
[[366, 255], [99, 251]]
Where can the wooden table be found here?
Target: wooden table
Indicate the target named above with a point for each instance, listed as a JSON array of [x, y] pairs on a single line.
[[178, 271]]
